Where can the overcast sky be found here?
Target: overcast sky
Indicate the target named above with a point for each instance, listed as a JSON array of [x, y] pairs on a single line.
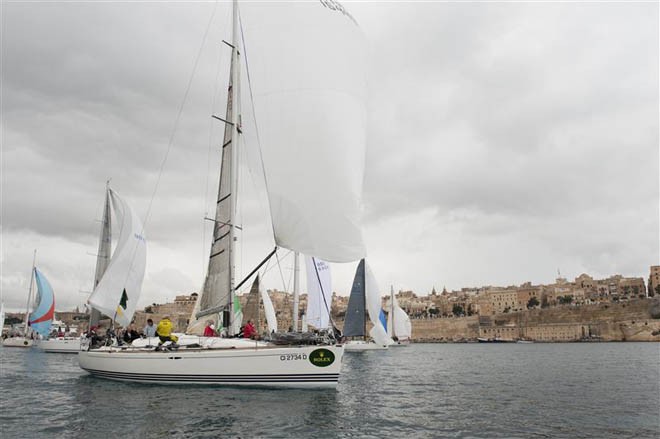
[[506, 141]]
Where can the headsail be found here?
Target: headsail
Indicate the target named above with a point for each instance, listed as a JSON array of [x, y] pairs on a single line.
[[118, 291], [310, 109], [319, 293], [374, 308], [269, 310], [44, 311]]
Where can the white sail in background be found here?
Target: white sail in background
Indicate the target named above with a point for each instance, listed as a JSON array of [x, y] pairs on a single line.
[[319, 293], [402, 324], [373, 304], [398, 322], [310, 109], [269, 310], [118, 291], [2, 316], [304, 327]]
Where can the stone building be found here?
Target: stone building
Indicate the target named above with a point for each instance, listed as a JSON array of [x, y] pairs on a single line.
[[654, 281]]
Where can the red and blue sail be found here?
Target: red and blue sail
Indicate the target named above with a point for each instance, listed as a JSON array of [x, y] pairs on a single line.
[[44, 311]]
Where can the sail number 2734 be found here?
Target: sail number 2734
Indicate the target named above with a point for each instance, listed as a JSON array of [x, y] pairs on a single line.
[[290, 357]]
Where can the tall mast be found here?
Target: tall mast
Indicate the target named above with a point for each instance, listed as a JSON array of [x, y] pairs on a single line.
[[27, 306], [364, 301], [392, 309], [296, 288], [103, 253], [235, 122]]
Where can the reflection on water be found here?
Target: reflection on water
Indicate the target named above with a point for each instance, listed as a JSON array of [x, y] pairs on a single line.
[[462, 390]]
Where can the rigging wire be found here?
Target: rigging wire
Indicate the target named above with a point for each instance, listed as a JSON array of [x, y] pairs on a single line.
[[178, 116], [171, 139], [254, 114]]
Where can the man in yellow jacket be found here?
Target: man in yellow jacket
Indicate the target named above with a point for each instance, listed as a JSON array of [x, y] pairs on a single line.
[[164, 331]]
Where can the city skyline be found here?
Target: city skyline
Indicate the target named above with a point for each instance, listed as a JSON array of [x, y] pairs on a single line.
[[505, 141]]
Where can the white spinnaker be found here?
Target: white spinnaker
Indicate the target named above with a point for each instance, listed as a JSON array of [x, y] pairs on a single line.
[[373, 303], [126, 269], [269, 310], [309, 88], [319, 293]]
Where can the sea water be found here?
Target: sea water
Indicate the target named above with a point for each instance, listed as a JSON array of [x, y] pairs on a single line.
[[564, 390]]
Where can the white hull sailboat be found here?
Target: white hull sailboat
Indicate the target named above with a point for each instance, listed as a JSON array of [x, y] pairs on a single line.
[[60, 345], [297, 367], [300, 140], [18, 342], [363, 345], [363, 304]]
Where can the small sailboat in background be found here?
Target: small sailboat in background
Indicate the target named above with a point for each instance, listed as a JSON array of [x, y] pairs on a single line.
[[364, 302], [399, 327], [37, 322]]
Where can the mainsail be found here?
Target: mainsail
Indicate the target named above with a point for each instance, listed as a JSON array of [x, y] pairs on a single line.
[[216, 295], [319, 293], [365, 300], [104, 252], [118, 291], [310, 109], [44, 307], [355, 323]]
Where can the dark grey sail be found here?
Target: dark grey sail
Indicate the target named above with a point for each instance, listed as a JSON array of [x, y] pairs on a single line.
[[355, 322], [216, 295]]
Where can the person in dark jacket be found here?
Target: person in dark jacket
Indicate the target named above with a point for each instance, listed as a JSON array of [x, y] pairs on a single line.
[[130, 334]]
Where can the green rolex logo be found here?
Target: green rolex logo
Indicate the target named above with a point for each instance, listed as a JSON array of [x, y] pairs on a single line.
[[322, 357]]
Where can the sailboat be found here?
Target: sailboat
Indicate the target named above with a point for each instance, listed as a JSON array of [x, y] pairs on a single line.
[[364, 303], [37, 322], [312, 129], [399, 327]]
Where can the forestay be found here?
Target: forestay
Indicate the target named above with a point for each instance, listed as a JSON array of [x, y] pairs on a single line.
[[319, 293], [309, 90], [117, 292]]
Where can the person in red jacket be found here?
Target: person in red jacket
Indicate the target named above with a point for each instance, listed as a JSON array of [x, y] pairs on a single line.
[[209, 331], [249, 331]]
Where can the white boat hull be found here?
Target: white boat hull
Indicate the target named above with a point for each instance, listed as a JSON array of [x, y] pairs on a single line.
[[359, 346], [18, 342], [271, 366], [60, 345]]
